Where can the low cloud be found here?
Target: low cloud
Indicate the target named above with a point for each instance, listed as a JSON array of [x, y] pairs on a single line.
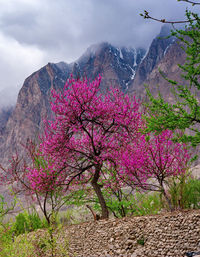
[[17, 62], [34, 32]]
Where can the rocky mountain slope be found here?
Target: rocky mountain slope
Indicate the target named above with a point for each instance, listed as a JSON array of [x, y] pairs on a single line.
[[124, 68], [116, 65], [5, 113], [169, 67], [157, 51]]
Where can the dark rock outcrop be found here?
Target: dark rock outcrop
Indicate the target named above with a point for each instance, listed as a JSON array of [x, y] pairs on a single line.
[[157, 53], [116, 65]]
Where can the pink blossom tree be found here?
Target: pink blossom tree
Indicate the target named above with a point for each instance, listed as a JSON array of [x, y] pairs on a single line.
[[92, 132], [37, 178], [88, 131], [155, 157]]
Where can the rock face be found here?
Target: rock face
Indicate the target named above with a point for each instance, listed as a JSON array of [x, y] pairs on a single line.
[[5, 113], [117, 65], [169, 67], [157, 51], [169, 56]]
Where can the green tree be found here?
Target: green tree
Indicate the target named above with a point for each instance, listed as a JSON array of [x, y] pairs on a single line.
[[184, 112]]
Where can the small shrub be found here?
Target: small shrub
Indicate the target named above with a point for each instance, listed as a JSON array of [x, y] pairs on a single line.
[[191, 195], [34, 221], [141, 241], [146, 203], [26, 222], [6, 236], [184, 192], [40, 243], [21, 224], [19, 248]]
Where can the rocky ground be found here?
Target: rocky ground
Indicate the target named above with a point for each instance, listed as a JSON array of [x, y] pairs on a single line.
[[164, 235]]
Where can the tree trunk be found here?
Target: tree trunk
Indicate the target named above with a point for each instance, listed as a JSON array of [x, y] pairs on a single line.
[[167, 199], [97, 189]]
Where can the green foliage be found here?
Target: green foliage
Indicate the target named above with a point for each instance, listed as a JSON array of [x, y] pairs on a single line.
[[117, 201], [147, 203], [120, 202], [20, 248], [6, 237], [185, 192], [34, 221], [43, 242], [5, 208], [141, 241], [52, 243], [78, 197], [21, 224], [133, 204], [185, 111], [192, 194], [26, 222]]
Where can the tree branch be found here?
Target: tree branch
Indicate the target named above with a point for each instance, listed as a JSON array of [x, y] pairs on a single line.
[[190, 2], [147, 16]]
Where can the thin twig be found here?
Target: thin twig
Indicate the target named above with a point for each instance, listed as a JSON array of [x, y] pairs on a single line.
[[147, 16]]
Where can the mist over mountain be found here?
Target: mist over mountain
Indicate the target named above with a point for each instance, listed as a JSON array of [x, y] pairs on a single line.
[[125, 68]]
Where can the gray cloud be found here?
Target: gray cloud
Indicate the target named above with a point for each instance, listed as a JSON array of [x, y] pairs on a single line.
[[34, 32]]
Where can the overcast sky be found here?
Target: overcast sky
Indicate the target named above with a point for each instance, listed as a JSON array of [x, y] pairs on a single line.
[[35, 32]]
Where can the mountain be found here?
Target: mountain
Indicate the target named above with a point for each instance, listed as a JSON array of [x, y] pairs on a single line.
[[124, 68], [168, 65], [5, 113], [159, 52], [117, 67]]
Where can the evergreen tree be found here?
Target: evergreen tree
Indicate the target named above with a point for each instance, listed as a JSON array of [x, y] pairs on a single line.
[[184, 113]]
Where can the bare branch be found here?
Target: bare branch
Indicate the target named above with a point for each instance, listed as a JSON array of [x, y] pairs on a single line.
[[147, 16], [190, 2]]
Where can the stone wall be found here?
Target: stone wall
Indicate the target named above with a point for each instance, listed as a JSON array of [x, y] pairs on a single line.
[[169, 234]]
